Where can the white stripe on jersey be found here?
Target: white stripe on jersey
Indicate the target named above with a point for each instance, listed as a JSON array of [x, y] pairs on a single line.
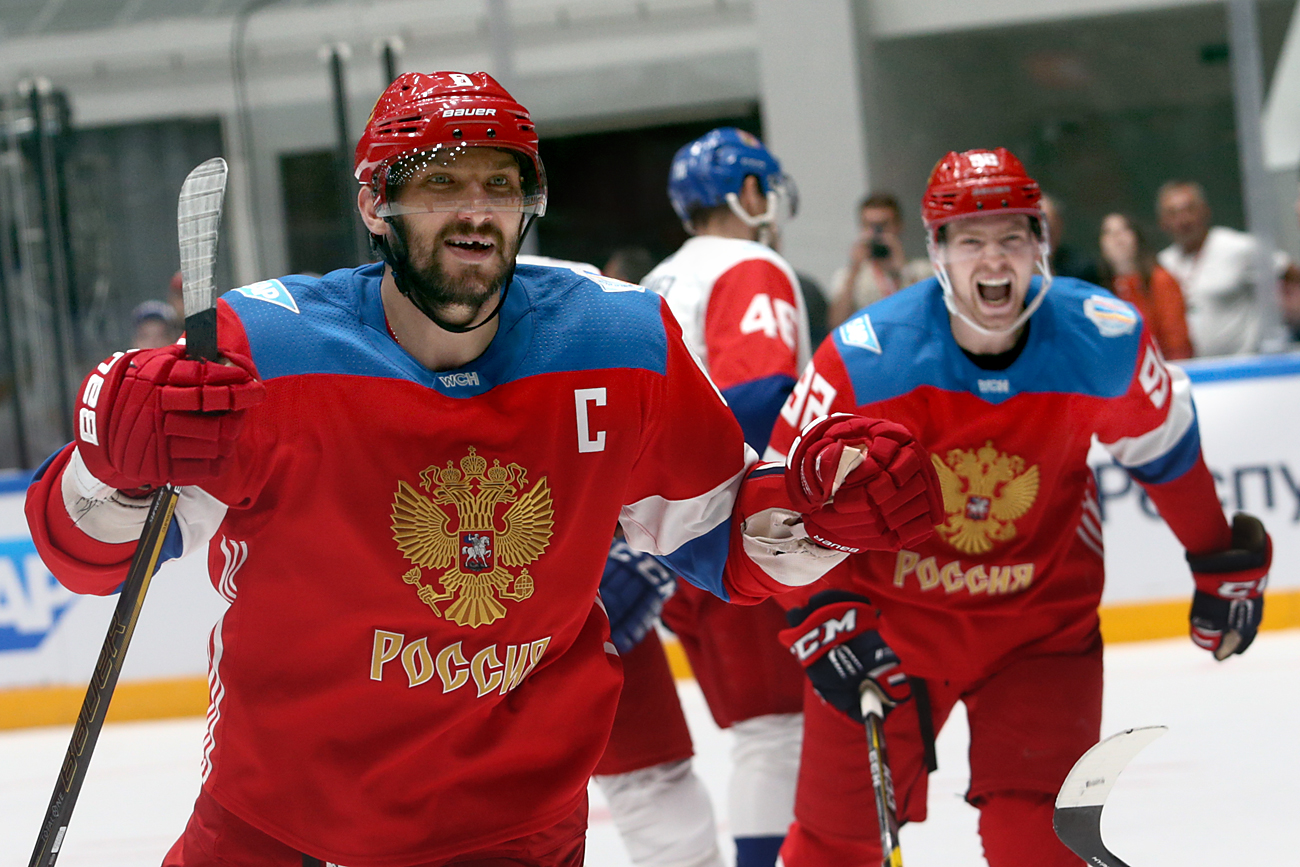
[[660, 526], [198, 515], [1155, 444], [216, 692]]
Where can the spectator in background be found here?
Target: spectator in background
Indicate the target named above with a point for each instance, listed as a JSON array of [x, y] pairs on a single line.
[[878, 266], [1128, 268], [155, 324], [628, 264], [1291, 295], [1216, 269], [1066, 261]]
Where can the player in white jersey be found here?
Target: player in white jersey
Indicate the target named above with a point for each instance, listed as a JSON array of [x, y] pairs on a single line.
[[742, 314]]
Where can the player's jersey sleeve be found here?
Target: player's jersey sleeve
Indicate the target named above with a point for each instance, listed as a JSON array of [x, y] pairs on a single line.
[[1151, 431], [693, 437], [822, 388], [87, 534], [751, 330]]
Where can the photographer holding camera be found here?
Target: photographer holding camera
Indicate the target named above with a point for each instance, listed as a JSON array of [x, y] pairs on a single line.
[[877, 265]]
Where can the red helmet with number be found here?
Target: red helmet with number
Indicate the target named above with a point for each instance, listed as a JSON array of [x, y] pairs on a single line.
[[428, 111], [978, 182]]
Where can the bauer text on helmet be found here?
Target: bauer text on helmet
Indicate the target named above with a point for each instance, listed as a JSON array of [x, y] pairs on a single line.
[[451, 181], [422, 116]]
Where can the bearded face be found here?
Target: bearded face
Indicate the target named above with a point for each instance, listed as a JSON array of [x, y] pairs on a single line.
[[457, 269], [457, 215]]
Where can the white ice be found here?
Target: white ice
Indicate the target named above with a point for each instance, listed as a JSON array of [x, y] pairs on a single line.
[[1222, 787]]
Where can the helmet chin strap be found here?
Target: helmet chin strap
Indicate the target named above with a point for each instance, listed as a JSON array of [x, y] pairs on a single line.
[[765, 222], [393, 248], [950, 298]]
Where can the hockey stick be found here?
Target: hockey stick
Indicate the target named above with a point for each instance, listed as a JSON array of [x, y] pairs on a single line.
[[198, 215], [882, 781], [1077, 818]]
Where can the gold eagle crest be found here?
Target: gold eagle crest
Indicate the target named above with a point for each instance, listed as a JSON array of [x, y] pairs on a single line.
[[984, 492], [476, 521]]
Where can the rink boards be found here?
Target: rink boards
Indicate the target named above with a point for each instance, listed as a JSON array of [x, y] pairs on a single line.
[[1250, 418]]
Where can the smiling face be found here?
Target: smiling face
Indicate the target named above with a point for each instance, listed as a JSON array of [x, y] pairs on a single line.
[[459, 215], [990, 260]]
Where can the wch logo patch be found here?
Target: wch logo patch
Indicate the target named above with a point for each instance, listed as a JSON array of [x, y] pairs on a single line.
[[31, 600]]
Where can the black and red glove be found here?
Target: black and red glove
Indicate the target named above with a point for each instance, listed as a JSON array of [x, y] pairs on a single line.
[[834, 637], [889, 500], [150, 417], [1229, 600]]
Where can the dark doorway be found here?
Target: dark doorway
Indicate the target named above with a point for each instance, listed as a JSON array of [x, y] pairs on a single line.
[[609, 189]]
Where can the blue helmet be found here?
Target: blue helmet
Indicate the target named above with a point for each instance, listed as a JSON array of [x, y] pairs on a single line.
[[711, 170]]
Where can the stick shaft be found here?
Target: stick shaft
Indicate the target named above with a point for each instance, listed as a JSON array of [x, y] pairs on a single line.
[[100, 691], [882, 781]]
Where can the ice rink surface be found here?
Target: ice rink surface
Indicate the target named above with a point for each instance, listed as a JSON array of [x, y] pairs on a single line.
[[1222, 787]]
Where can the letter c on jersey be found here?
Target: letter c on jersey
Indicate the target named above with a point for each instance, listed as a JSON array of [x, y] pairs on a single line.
[[587, 442]]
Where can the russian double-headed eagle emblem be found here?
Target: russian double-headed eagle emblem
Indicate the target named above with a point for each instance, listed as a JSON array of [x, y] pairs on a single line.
[[984, 492], [475, 523]]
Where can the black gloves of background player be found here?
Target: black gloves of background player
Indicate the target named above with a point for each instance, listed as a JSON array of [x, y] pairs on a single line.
[[1229, 602], [834, 637]]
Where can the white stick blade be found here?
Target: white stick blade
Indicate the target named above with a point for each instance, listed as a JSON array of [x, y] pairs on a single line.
[[198, 217], [1094, 775]]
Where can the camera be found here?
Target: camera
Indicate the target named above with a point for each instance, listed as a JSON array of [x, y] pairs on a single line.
[[878, 248]]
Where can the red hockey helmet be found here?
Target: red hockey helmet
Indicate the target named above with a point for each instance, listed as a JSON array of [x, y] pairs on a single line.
[[974, 183], [979, 182], [427, 112]]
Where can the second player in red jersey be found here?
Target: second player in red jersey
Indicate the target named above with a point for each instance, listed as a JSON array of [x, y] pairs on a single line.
[[1005, 376]]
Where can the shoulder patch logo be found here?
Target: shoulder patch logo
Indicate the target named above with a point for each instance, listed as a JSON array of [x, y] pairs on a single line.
[[1112, 317], [609, 284], [272, 291], [858, 332]]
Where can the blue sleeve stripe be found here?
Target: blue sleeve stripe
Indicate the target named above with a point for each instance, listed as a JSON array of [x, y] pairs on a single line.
[[700, 560], [767, 470], [1173, 463], [173, 546], [756, 404]]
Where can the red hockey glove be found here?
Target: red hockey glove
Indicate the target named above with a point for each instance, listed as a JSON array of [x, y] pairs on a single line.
[[834, 637], [884, 498], [152, 416], [1229, 602]]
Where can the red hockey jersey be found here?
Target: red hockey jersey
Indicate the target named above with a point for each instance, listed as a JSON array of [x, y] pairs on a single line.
[[1016, 566], [415, 662]]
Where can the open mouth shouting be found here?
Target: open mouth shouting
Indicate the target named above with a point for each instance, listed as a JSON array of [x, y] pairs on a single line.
[[994, 291]]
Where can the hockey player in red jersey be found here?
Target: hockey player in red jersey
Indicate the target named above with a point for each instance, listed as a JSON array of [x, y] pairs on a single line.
[[1004, 376], [742, 314], [400, 480]]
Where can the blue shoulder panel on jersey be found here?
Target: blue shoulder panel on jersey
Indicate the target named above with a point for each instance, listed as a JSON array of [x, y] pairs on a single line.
[[1082, 340], [700, 560], [554, 319], [756, 403], [588, 322]]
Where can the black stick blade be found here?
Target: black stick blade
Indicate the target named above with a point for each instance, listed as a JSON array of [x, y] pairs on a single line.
[[1077, 819]]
